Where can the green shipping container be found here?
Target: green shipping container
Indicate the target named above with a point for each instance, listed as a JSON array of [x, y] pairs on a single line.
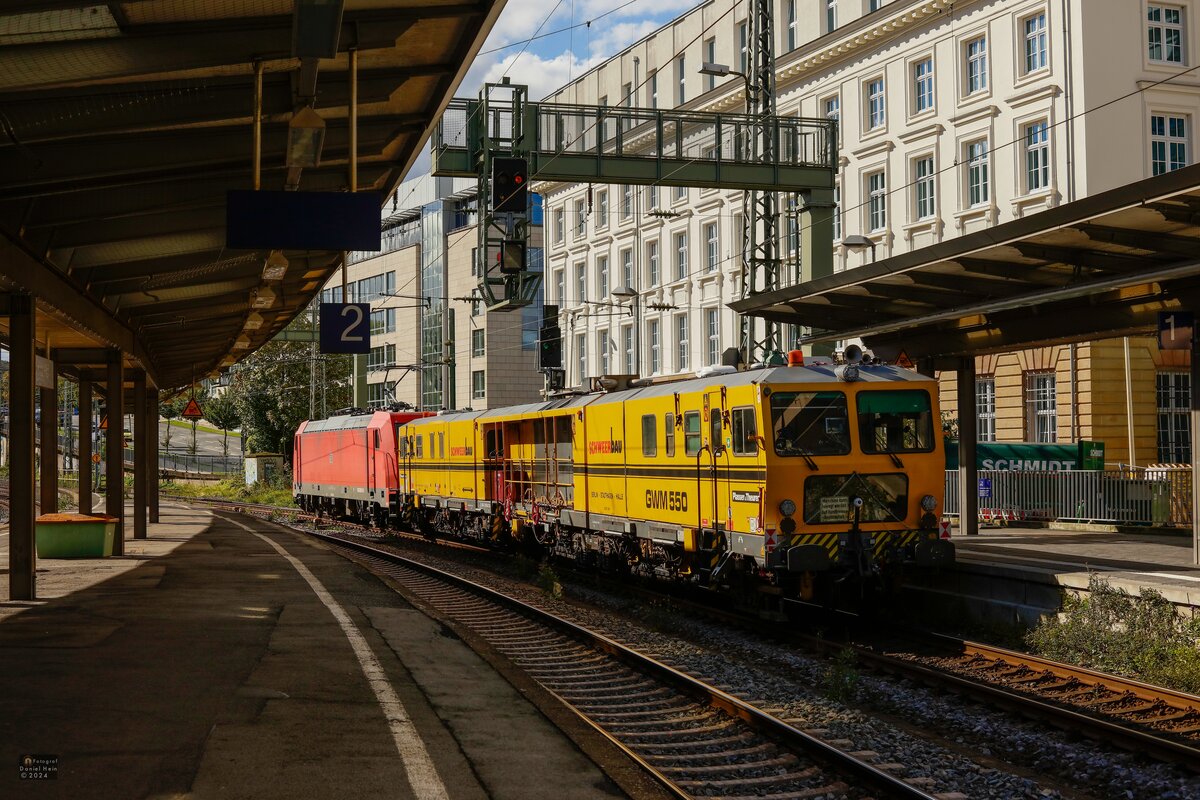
[[1031, 456], [75, 535]]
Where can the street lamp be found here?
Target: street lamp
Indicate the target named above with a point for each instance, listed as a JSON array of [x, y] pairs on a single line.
[[856, 241], [723, 71], [631, 294]]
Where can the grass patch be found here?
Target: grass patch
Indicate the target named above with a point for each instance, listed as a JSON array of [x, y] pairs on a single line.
[[1111, 630], [233, 489], [840, 679], [179, 423]]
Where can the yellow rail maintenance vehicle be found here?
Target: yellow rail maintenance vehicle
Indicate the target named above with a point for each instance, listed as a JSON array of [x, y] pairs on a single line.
[[777, 481]]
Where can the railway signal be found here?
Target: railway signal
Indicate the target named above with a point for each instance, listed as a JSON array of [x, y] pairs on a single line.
[[550, 340], [510, 185]]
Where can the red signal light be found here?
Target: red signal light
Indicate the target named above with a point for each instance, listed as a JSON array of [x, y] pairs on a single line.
[[519, 179]]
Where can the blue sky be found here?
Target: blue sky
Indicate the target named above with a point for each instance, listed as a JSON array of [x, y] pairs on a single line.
[[554, 60]]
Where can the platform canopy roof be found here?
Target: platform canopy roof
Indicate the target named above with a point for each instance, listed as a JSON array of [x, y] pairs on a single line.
[[123, 124], [1095, 268]]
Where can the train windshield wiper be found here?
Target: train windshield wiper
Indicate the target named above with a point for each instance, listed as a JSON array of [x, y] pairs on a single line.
[[895, 458]]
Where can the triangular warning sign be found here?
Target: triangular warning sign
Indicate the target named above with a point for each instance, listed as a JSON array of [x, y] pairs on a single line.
[[192, 411], [903, 360], [104, 422]]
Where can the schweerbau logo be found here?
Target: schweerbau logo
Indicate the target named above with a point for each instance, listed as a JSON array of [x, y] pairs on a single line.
[[605, 447]]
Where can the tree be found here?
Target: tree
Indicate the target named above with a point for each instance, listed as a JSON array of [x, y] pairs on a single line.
[[271, 389], [222, 411], [169, 410]]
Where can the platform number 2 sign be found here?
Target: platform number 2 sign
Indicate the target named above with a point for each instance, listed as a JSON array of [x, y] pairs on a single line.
[[346, 328], [1175, 330]]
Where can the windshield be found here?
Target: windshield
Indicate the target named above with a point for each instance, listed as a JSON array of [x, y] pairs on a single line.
[[829, 498], [810, 423], [895, 421]]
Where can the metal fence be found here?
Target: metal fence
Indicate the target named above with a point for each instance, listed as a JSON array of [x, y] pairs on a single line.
[[186, 463], [1135, 496]]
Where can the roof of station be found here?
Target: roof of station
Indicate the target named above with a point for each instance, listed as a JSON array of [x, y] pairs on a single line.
[[1095, 268], [124, 124]]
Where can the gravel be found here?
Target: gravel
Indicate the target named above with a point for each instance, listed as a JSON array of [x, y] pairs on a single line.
[[956, 745]]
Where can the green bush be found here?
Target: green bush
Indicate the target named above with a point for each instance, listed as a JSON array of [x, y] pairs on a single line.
[[235, 488], [1111, 630]]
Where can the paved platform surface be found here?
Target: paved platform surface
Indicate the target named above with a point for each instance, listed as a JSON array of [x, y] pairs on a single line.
[[1068, 558], [215, 661]]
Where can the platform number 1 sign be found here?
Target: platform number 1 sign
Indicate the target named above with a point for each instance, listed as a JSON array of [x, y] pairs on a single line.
[[1175, 330], [346, 328]]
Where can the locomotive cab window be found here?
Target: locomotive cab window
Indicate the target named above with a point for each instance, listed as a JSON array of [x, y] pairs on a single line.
[[744, 431], [441, 445], [669, 426], [649, 435], [691, 432], [895, 421], [810, 423], [376, 432], [714, 431], [420, 454]]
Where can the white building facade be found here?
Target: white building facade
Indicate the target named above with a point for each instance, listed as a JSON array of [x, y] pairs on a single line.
[[954, 117]]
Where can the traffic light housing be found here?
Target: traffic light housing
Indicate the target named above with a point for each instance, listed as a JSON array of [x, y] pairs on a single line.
[[550, 340], [510, 185], [511, 257]]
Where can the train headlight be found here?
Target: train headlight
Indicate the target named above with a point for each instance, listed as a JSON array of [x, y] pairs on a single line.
[[787, 507], [928, 502]]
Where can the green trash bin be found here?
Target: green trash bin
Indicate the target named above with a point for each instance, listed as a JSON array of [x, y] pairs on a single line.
[[75, 535]]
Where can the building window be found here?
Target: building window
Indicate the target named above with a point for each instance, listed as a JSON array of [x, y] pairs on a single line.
[[602, 209], [977, 173], [652, 274], [653, 197], [874, 5], [560, 286], [681, 341], [560, 225], [381, 357], [655, 346], [681, 256], [627, 347], [876, 201], [1168, 143], [1035, 42], [837, 212], [626, 202], [710, 52], [713, 249], [581, 356], [833, 107], [791, 22], [923, 85], [977, 64], [830, 15], [1037, 156], [876, 110], [1041, 415], [680, 193], [923, 187], [580, 219], [744, 45], [580, 283], [478, 385], [1164, 33], [652, 89], [681, 71], [985, 408], [477, 342], [602, 277], [712, 322], [602, 347], [1174, 407], [627, 268]]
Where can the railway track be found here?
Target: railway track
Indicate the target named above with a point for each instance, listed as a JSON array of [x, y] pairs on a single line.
[[696, 739], [1146, 719]]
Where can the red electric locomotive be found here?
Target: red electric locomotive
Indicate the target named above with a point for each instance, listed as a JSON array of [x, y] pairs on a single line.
[[345, 466]]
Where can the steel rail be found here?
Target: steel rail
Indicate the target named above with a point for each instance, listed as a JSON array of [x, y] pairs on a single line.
[[772, 727]]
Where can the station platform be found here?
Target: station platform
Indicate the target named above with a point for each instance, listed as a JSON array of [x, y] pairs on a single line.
[[1019, 574], [227, 657]]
